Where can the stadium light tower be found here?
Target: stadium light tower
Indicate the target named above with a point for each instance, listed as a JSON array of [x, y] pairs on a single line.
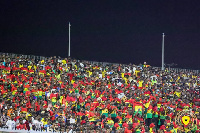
[[69, 41], [163, 37]]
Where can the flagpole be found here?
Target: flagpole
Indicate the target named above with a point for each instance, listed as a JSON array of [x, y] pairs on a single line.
[[163, 37], [69, 41]]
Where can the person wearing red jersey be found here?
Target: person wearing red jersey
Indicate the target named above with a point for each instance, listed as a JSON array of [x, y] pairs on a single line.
[[21, 125]]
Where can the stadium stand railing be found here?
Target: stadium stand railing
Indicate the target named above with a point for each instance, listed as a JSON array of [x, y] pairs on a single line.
[[5, 130], [97, 63]]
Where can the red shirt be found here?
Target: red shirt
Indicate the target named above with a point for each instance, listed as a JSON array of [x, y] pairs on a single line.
[[127, 131], [83, 122], [16, 118], [21, 126], [116, 125], [125, 125], [70, 75], [23, 109], [80, 114], [2, 67]]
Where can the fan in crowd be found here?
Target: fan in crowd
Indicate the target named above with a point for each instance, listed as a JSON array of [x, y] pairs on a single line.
[[67, 95]]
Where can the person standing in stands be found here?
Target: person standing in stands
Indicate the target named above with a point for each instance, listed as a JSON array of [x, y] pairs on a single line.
[[11, 123], [28, 123], [21, 125]]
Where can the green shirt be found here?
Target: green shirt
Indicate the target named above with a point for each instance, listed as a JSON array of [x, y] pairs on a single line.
[[162, 117], [149, 115]]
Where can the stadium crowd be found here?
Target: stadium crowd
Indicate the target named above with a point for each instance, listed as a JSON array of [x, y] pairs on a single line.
[[67, 95]]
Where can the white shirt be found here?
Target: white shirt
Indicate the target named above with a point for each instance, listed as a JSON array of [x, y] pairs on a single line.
[[134, 68], [71, 120], [81, 64], [37, 124], [11, 124], [59, 61], [100, 76], [70, 131], [120, 95], [119, 84]]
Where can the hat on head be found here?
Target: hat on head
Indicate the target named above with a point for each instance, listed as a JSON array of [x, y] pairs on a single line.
[[152, 125], [162, 127]]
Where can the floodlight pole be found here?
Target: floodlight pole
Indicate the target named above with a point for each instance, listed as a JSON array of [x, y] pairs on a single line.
[[69, 41], [163, 37]]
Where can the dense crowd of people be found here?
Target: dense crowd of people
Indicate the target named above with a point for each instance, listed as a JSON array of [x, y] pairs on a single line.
[[67, 95]]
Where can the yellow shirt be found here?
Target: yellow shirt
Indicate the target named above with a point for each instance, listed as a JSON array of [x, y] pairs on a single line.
[[35, 67], [25, 89], [103, 73], [29, 67], [110, 122], [61, 98], [42, 61], [130, 120], [122, 74], [72, 81], [21, 65], [147, 104], [75, 66], [140, 83], [53, 99], [64, 62], [89, 73], [136, 72], [177, 93], [57, 76], [44, 122], [178, 79], [66, 104], [104, 111]]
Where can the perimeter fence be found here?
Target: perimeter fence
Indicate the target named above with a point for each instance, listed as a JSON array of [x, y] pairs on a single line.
[[95, 62]]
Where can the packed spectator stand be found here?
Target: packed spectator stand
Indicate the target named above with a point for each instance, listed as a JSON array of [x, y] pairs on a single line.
[[67, 95]]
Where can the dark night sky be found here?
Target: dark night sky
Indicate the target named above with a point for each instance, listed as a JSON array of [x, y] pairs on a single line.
[[113, 30]]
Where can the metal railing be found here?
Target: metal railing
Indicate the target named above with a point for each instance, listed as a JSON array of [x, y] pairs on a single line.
[[94, 62], [5, 130]]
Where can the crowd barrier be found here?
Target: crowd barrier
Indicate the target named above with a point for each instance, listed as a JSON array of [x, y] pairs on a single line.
[[4, 130], [98, 63]]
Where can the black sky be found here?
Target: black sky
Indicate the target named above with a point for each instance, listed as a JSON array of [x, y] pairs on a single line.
[[119, 31]]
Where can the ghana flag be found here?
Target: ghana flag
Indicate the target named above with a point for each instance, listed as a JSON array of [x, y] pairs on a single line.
[[104, 112], [138, 108], [149, 112]]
